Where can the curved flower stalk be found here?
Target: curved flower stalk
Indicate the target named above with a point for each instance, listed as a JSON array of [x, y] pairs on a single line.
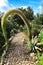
[[3, 21]]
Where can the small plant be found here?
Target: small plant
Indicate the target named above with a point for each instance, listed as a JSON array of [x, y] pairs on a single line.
[[40, 58], [40, 37]]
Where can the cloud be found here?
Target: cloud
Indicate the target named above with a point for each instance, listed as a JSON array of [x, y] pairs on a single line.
[[24, 6], [38, 10], [4, 5], [40, 7]]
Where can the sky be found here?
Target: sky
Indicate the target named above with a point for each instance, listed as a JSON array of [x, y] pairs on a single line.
[[12, 4]]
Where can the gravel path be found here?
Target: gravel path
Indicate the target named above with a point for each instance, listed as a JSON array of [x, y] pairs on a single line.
[[16, 54]]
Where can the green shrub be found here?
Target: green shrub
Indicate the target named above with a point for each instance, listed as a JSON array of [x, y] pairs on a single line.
[[40, 37], [40, 59]]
